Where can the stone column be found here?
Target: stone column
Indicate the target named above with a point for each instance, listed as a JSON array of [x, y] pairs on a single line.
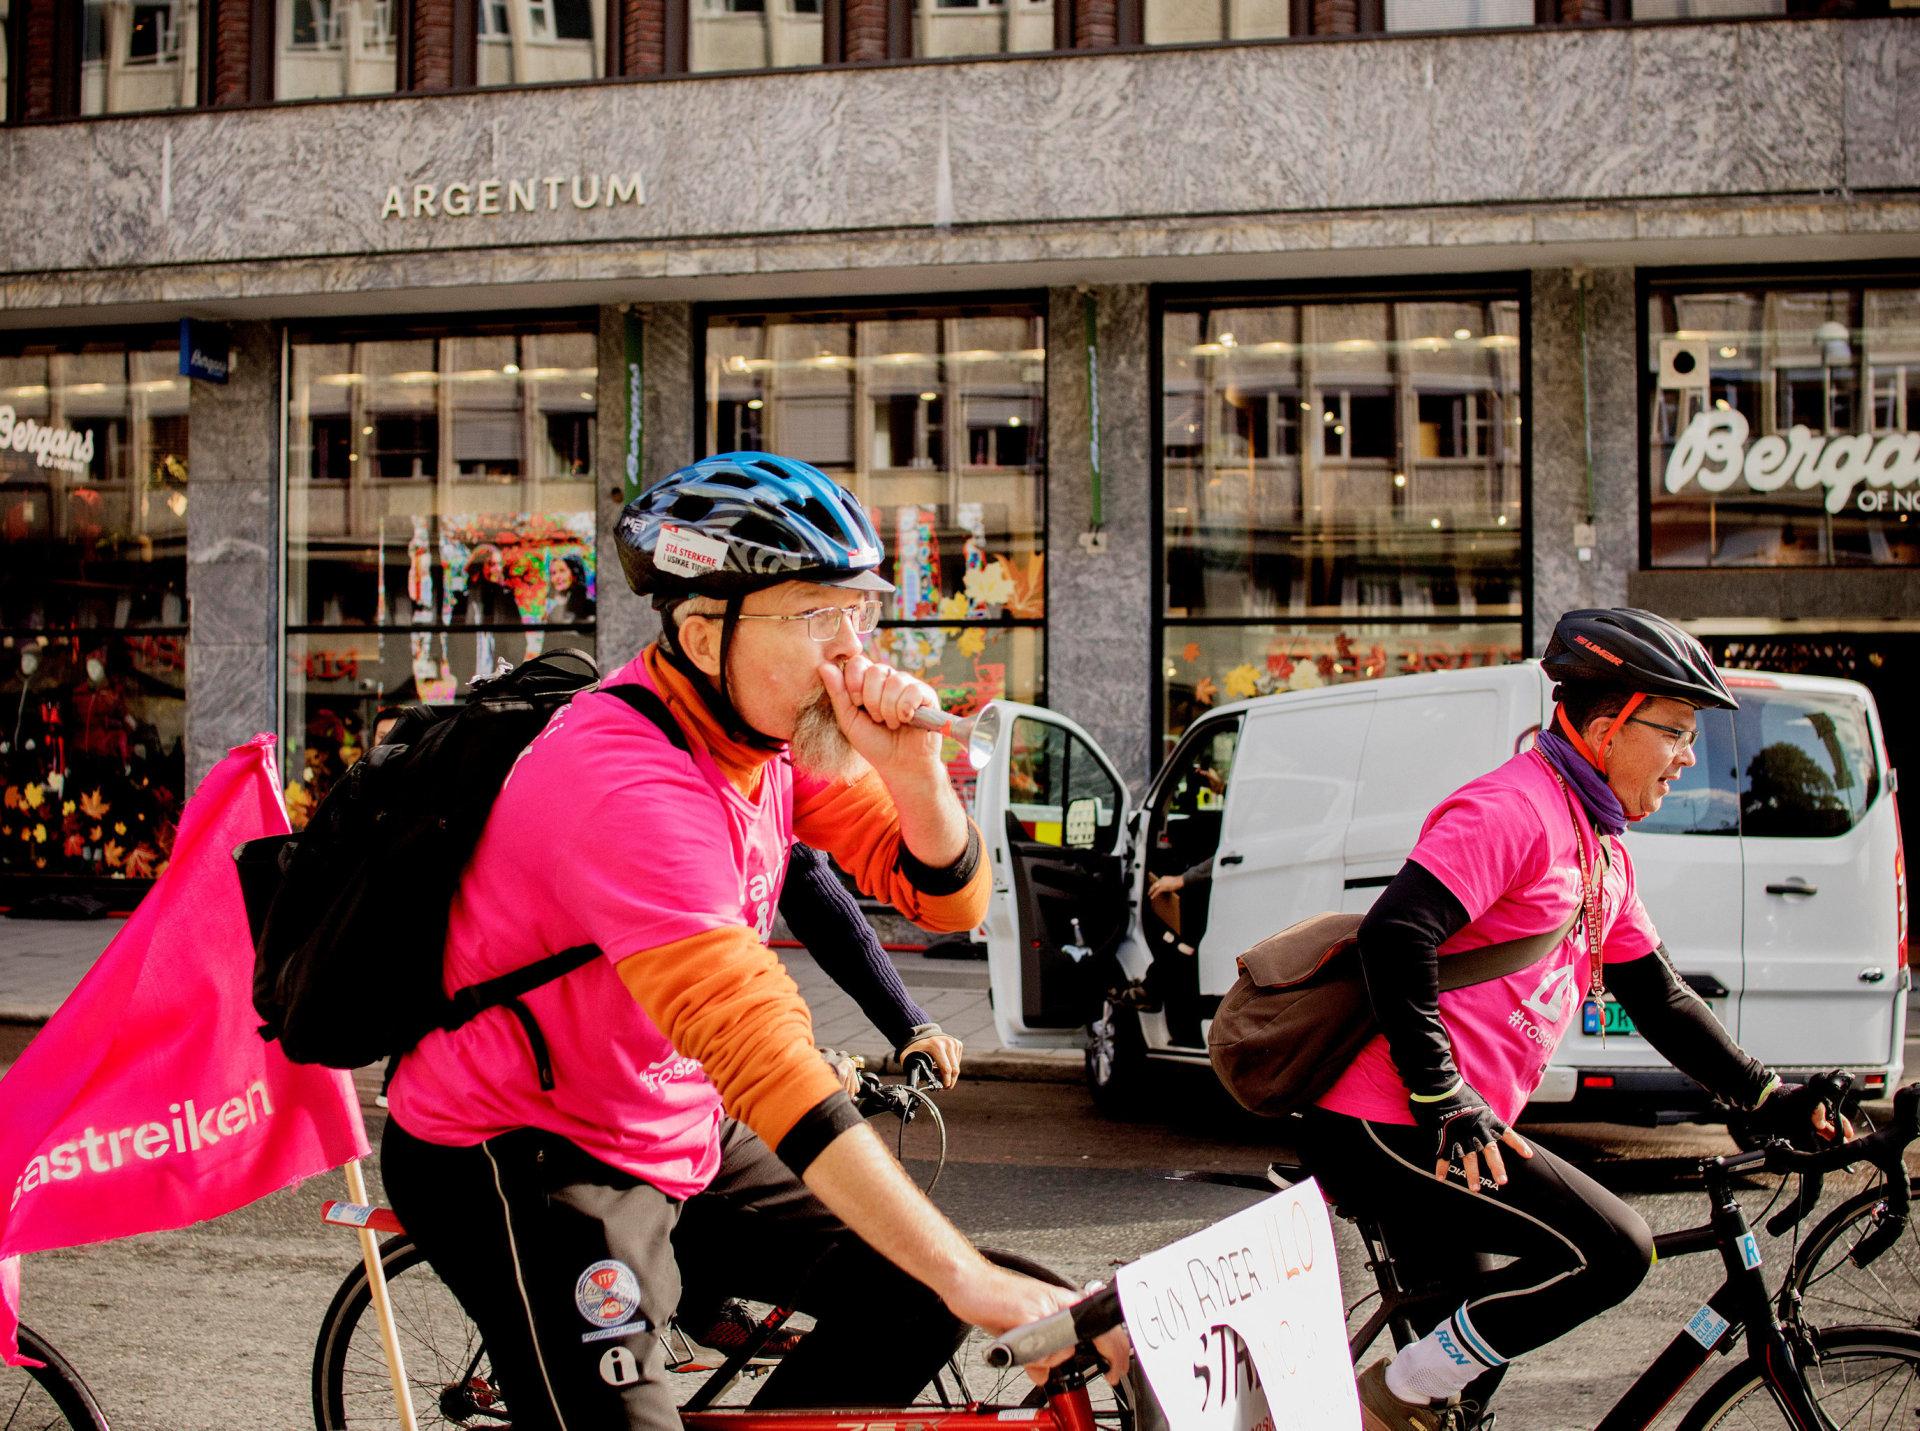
[[626, 621], [233, 535], [1561, 581], [1100, 605]]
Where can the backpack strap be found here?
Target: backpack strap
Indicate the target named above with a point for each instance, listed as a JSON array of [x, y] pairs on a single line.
[[653, 708], [507, 989], [1496, 961]]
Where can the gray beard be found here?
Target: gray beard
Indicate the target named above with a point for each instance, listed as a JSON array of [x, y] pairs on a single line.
[[820, 748]]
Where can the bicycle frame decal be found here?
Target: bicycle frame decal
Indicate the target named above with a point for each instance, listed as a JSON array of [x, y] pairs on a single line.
[[1750, 1252], [1707, 1326]]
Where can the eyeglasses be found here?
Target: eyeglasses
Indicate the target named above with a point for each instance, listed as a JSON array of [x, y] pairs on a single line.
[[823, 622], [1682, 739]]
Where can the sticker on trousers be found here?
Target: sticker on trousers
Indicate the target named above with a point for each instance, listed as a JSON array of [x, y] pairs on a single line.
[[619, 1367], [607, 1294]]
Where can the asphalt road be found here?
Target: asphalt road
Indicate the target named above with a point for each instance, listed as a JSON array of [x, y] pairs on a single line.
[[213, 1326]]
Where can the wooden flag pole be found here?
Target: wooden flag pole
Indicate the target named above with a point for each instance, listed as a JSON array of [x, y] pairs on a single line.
[[382, 1308]]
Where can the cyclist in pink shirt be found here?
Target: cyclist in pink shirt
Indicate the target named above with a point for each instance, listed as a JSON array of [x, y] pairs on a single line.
[[1417, 1132]]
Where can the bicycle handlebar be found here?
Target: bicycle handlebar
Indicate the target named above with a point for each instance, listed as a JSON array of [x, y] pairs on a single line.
[[1086, 1319]]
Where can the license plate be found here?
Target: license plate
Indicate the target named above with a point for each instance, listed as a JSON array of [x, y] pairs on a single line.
[[1618, 1020]]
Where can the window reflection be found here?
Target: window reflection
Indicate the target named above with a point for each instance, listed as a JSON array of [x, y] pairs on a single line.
[[530, 41], [1456, 14], [334, 47], [139, 55], [754, 34], [981, 27], [440, 520], [935, 420], [1180, 22]]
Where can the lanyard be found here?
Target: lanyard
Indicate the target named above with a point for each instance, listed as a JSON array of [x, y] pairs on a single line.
[[1590, 902]]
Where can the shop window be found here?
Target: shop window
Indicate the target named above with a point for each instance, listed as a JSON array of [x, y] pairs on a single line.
[[137, 56], [1388, 542], [982, 27], [456, 531], [1781, 425], [871, 398], [1185, 22], [1401, 15], [93, 614], [536, 41], [334, 47], [754, 34]]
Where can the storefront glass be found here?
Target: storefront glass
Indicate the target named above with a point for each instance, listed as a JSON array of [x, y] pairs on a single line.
[[1783, 425], [440, 520], [981, 27], [139, 55], [754, 34], [533, 41], [93, 614], [1186, 22], [936, 421], [334, 47], [1341, 493]]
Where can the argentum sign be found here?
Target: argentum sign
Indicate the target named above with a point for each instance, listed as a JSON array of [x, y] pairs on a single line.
[[1855, 468], [470, 198]]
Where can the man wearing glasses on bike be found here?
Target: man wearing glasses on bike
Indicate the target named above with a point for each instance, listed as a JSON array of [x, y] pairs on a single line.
[[689, 1128], [1417, 1132]]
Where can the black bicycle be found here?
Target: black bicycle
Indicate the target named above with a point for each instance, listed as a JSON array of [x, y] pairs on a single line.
[[1796, 1373], [451, 1378], [46, 1397]]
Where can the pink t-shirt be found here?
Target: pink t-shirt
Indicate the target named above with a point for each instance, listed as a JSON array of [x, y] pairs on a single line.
[[607, 834], [1505, 846]]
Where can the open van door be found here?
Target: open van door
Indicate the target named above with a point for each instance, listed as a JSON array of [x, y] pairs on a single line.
[[1053, 811]]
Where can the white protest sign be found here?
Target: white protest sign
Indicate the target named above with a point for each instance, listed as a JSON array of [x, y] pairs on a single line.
[[1260, 1287]]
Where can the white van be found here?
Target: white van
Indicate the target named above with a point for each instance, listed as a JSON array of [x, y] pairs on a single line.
[[1773, 870]]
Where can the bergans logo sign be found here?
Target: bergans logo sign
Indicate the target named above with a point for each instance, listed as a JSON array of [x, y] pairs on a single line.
[[61, 448], [1872, 472], [486, 197]]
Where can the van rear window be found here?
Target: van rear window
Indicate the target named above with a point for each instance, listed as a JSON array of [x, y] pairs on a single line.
[[1786, 765], [1806, 763]]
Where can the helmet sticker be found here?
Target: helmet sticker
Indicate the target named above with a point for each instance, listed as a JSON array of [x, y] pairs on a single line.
[[1602, 652], [607, 1294], [687, 552]]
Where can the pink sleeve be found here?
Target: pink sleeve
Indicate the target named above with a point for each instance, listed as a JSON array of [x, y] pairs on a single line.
[[1631, 935], [1480, 842], [650, 863]]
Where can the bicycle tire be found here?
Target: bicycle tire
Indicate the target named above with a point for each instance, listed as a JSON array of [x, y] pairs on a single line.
[[1854, 1371], [48, 1396], [451, 1378], [1831, 1290]]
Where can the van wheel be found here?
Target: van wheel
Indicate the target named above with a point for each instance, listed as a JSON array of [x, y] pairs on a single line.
[[1116, 1059]]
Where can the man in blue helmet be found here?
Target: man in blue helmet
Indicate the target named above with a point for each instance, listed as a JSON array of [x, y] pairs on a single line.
[[691, 1132]]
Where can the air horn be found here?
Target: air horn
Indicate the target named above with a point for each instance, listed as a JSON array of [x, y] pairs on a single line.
[[979, 732]]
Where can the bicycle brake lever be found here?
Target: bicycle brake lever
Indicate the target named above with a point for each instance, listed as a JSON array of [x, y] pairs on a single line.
[[1803, 1203]]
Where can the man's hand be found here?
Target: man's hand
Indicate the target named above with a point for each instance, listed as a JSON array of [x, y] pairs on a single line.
[[844, 1069], [1166, 884], [1464, 1131], [873, 704], [944, 1049], [999, 1300]]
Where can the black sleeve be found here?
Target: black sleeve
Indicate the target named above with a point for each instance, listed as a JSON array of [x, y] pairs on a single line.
[[818, 1127], [1683, 1030], [1400, 943], [938, 881], [824, 917]]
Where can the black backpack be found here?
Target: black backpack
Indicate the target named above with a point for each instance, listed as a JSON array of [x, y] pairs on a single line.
[[349, 915]]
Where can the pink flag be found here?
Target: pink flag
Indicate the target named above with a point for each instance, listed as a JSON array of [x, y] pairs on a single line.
[[149, 1101]]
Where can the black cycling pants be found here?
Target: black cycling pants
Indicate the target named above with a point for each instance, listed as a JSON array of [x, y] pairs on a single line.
[[1566, 1249], [570, 1268]]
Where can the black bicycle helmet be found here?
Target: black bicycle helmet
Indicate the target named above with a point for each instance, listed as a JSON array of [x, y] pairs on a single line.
[[1637, 651], [730, 525], [741, 521]]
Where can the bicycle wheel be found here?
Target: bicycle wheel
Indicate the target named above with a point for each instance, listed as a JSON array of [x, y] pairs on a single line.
[[1885, 1293], [1859, 1377], [448, 1373], [48, 1397]]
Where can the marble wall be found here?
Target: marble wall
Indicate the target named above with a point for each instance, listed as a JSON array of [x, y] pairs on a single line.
[[233, 537], [1099, 603], [1561, 422], [1807, 108]]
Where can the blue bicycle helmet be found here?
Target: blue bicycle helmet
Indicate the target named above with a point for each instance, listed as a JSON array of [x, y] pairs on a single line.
[[734, 524], [741, 521]]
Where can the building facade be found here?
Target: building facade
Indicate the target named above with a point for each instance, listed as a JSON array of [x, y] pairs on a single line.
[[1182, 350]]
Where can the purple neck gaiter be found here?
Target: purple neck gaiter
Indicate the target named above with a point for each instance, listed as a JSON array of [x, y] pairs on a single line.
[[1589, 786]]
